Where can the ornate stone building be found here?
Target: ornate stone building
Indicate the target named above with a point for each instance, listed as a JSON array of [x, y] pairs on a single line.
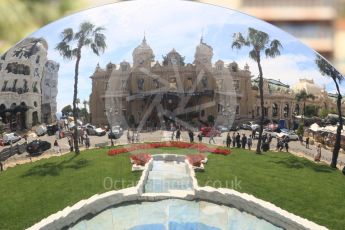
[[49, 91], [150, 93], [22, 69], [154, 94]]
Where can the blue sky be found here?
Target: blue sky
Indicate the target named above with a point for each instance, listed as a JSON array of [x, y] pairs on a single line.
[[175, 24]]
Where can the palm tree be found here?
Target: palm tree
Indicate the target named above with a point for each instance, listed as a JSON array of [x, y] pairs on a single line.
[[71, 46], [304, 96], [258, 41], [328, 70]]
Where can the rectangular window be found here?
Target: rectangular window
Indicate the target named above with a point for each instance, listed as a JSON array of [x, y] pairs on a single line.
[[237, 85], [124, 85], [220, 83], [140, 84], [155, 83]]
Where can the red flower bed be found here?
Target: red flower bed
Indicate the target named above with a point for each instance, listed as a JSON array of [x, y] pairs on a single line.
[[197, 146], [117, 151], [140, 158], [195, 159], [221, 151]]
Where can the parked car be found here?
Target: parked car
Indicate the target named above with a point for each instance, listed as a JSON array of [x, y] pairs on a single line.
[[116, 132], [246, 126], [92, 130], [41, 130], [37, 147], [234, 127], [222, 128], [8, 137], [292, 135], [249, 126], [51, 129], [268, 132], [208, 131]]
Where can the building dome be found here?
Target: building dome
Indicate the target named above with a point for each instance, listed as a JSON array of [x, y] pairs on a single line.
[[308, 85], [110, 66], [143, 49], [173, 58]]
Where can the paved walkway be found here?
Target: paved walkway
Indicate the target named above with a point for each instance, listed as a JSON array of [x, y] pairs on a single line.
[[295, 147]]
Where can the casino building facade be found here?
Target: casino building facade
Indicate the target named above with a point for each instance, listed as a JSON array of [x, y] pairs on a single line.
[[153, 94]]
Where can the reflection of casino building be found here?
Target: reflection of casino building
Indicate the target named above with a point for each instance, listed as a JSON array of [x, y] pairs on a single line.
[[225, 92], [22, 69], [160, 92]]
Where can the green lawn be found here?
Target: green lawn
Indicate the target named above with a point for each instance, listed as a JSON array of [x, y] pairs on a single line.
[[313, 191], [33, 191]]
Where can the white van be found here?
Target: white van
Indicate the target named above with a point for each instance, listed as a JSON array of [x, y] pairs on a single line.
[[8, 137]]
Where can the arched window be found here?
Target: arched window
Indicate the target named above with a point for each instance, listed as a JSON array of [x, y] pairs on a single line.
[[274, 110], [297, 109], [286, 110], [140, 84]]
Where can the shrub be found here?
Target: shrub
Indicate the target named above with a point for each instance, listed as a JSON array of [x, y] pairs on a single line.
[[200, 147], [140, 158]]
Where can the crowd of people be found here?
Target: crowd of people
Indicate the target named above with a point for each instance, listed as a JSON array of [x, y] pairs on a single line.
[[83, 139], [237, 140], [234, 140]]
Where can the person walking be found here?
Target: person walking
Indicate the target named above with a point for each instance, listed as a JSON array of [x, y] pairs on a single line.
[[70, 143], [300, 138], [253, 133], [212, 133], [250, 142], [233, 139], [191, 136], [238, 140], [56, 147], [172, 135], [278, 143], [286, 143], [307, 142], [178, 134], [200, 137], [244, 141], [137, 137], [228, 140], [269, 140], [82, 137], [128, 136], [133, 138], [318, 154], [87, 141]]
